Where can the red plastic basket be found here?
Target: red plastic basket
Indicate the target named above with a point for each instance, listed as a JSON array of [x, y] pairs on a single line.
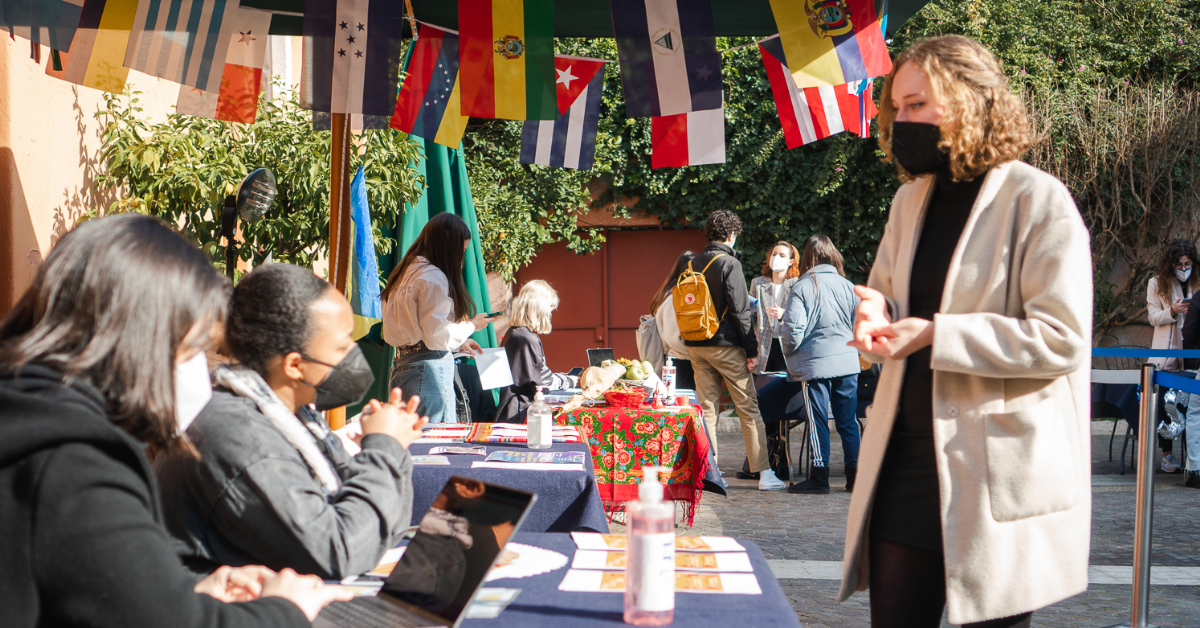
[[626, 399]]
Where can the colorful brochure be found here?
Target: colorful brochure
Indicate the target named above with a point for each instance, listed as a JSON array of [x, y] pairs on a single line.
[[590, 581], [544, 457], [614, 560], [597, 541]]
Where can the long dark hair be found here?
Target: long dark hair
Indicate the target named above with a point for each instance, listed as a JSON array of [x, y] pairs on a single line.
[[1165, 273], [113, 302], [668, 284], [440, 242], [820, 250]]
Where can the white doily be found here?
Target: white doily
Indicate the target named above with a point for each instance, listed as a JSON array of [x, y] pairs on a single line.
[[522, 561]]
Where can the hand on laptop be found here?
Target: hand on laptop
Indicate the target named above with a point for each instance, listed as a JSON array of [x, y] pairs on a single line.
[[394, 418], [235, 584], [307, 592]]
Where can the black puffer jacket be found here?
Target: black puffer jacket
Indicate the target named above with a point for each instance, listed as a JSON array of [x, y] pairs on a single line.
[[83, 541], [727, 285]]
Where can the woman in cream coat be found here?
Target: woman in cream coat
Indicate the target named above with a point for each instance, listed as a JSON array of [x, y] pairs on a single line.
[[1006, 351]]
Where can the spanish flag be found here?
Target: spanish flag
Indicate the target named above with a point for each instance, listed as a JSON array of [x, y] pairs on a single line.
[[831, 42], [506, 57]]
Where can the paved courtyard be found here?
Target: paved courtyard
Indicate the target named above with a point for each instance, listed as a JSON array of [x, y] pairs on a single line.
[[802, 536]]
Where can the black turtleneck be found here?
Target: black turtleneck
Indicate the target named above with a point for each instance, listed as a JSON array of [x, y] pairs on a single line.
[[906, 508]]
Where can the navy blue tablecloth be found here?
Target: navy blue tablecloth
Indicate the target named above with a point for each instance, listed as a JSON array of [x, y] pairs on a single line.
[[567, 500], [540, 603]]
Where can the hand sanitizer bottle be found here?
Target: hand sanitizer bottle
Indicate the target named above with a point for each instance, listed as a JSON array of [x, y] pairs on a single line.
[[650, 554], [539, 423], [668, 378]]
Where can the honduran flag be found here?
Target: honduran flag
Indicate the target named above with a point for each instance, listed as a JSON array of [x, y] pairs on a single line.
[[183, 41], [428, 106], [831, 42], [570, 140], [351, 56], [98, 48], [237, 99], [506, 55], [668, 53], [49, 22], [812, 113], [688, 139]]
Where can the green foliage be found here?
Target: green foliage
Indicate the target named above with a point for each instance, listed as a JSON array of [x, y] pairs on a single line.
[[182, 169]]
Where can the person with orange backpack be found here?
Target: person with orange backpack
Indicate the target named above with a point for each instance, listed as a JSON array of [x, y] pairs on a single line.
[[712, 308]]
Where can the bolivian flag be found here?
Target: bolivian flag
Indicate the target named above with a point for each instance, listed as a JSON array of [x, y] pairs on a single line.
[[506, 56]]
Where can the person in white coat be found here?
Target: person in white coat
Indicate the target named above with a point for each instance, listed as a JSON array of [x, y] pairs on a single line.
[[1167, 295], [974, 481]]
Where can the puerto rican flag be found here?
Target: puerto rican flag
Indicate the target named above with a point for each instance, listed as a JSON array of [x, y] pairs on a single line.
[[688, 139], [813, 113]]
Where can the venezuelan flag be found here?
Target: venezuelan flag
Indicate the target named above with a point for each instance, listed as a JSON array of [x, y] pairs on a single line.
[[506, 55], [831, 42], [428, 106], [364, 288]]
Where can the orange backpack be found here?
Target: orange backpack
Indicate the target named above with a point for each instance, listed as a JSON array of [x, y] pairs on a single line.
[[694, 309]]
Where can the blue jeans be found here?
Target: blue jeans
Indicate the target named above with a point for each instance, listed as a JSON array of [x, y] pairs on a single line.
[[429, 374], [841, 395]]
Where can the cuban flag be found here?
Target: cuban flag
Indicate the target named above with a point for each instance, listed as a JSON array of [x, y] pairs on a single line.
[[688, 139], [352, 56], [812, 113], [568, 141], [669, 59]]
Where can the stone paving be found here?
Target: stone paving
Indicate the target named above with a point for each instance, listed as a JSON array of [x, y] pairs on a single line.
[[811, 528]]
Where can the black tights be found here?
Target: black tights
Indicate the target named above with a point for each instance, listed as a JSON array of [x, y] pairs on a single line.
[[908, 590]]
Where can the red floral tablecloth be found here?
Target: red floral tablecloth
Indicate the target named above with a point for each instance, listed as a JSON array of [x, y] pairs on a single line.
[[623, 440]]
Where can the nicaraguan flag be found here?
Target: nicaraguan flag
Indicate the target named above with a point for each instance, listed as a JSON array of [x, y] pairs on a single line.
[[364, 288], [429, 105], [570, 140], [351, 56], [811, 113], [668, 53], [688, 139], [183, 41], [49, 22]]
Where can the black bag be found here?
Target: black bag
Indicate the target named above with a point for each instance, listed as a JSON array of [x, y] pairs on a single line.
[[777, 454]]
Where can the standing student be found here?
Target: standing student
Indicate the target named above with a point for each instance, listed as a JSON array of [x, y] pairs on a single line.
[[771, 291], [428, 315], [662, 306], [100, 360], [974, 483], [1167, 295], [530, 319]]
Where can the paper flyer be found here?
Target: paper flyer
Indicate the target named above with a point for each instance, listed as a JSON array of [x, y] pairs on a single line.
[[614, 560], [526, 466], [597, 541], [591, 581], [432, 461], [549, 457]]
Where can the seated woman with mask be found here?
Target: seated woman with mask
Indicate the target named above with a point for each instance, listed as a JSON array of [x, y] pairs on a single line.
[[272, 485]]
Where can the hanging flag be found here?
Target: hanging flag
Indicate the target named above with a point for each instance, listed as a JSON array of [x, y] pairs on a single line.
[[364, 283], [98, 48], [831, 42], [575, 75], [237, 100], [351, 56], [812, 113], [429, 105], [183, 41], [506, 55], [50, 22], [668, 53], [688, 139], [570, 140]]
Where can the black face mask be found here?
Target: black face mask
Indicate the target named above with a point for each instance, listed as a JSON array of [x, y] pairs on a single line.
[[915, 146], [346, 384]]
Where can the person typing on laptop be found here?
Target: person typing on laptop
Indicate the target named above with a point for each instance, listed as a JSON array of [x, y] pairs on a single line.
[[272, 485]]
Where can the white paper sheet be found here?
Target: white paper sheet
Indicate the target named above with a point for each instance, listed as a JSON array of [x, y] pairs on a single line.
[[494, 371], [704, 562], [594, 581], [597, 541]]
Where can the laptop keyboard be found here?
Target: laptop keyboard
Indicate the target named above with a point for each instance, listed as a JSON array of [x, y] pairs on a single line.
[[370, 612]]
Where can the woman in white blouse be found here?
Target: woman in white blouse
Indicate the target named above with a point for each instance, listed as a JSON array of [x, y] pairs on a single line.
[[428, 314]]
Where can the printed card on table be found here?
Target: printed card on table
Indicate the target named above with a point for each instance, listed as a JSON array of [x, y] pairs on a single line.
[[614, 560], [596, 541], [545, 457], [591, 581]]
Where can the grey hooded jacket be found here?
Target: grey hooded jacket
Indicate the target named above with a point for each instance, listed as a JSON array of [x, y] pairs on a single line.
[[250, 499], [817, 323]]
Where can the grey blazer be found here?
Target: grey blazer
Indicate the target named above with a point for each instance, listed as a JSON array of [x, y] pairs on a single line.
[[760, 289]]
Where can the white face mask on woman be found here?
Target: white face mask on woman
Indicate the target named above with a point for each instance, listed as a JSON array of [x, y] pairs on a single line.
[[193, 389], [1182, 275], [779, 263]]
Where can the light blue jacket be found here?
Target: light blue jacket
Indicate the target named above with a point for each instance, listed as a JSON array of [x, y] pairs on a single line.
[[817, 323]]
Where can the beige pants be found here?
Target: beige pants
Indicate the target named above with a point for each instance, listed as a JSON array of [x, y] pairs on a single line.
[[712, 364]]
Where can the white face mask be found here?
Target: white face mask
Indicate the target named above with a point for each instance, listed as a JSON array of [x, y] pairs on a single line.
[[193, 389], [1183, 275], [779, 263]]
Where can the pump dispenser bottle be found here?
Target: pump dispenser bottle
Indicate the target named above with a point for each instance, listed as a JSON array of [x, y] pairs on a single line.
[[650, 554], [539, 423]]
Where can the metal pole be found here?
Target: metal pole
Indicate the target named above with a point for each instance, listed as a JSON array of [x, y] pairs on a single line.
[[1144, 525]]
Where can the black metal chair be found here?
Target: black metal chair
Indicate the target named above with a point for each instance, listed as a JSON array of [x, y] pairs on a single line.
[[1106, 409]]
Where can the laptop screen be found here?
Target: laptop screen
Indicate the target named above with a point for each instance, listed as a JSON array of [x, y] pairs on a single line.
[[597, 356], [459, 539]]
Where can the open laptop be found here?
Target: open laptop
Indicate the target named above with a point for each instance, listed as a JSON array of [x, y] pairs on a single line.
[[458, 541], [598, 356]]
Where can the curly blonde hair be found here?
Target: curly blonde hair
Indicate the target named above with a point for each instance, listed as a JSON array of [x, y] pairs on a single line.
[[984, 124]]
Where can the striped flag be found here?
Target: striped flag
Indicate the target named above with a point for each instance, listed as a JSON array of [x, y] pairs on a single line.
[[570, 140], [812, 113], [688, 139], [98, 50], [49, 22], [668, 53], [237, 99], [429, 105], [351, 56], [831, 42], [183, 41], [364, 282], [506, 55]]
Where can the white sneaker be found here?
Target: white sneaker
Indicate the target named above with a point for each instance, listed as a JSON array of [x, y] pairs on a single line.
[[1169, 464], [768, 482]]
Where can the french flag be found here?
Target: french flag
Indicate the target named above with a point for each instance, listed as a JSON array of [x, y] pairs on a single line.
[[688, 139], [668, 54], [812, 113], [570, 140]]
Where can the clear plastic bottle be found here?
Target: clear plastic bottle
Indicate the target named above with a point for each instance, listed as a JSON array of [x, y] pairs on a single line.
[[650, 554], [669, 378], [539, 423]]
